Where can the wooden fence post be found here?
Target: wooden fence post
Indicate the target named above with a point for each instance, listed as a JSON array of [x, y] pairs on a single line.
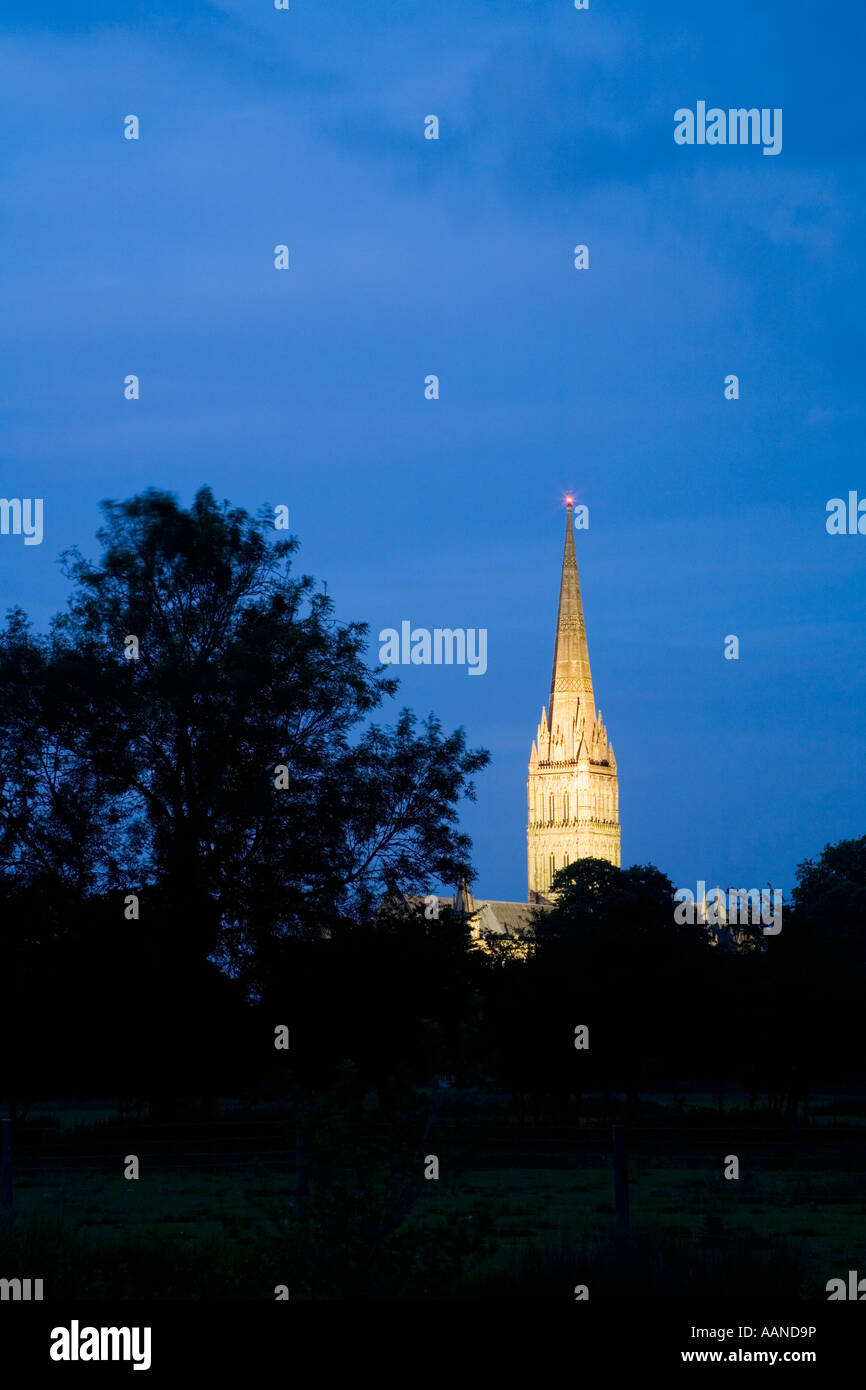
[[6, 1170], [620, 1178], [302, 1178]]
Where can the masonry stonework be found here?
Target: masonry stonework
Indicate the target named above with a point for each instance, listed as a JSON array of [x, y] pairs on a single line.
[[573, 792]]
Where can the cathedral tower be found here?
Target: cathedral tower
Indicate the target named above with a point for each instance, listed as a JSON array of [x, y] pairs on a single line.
[[572, 789]]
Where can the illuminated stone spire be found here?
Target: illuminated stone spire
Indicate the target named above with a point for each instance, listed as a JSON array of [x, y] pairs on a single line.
[[571, 679], [573, 789]]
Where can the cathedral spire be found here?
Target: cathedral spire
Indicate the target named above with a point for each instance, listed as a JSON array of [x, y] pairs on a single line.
[[572, 788], [571, 681]]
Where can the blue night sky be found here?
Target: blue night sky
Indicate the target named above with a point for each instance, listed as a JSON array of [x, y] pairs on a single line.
[[409, 257]]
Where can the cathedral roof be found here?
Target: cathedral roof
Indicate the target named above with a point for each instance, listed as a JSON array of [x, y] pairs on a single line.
[[493, 914]]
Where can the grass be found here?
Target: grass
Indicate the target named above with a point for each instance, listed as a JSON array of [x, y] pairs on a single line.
[[523, 1210], [205, 1225]]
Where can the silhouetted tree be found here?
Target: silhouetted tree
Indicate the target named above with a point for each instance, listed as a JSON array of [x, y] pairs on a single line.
[[612, 956], [220, 766]]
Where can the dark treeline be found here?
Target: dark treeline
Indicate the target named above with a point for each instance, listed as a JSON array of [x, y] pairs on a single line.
[[200, 822], [106, 1007]]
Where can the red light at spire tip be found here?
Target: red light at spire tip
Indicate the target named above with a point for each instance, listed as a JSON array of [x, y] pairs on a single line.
[[569, 501]]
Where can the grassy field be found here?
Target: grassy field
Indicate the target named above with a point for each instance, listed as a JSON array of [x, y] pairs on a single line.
[[215, 1220]]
